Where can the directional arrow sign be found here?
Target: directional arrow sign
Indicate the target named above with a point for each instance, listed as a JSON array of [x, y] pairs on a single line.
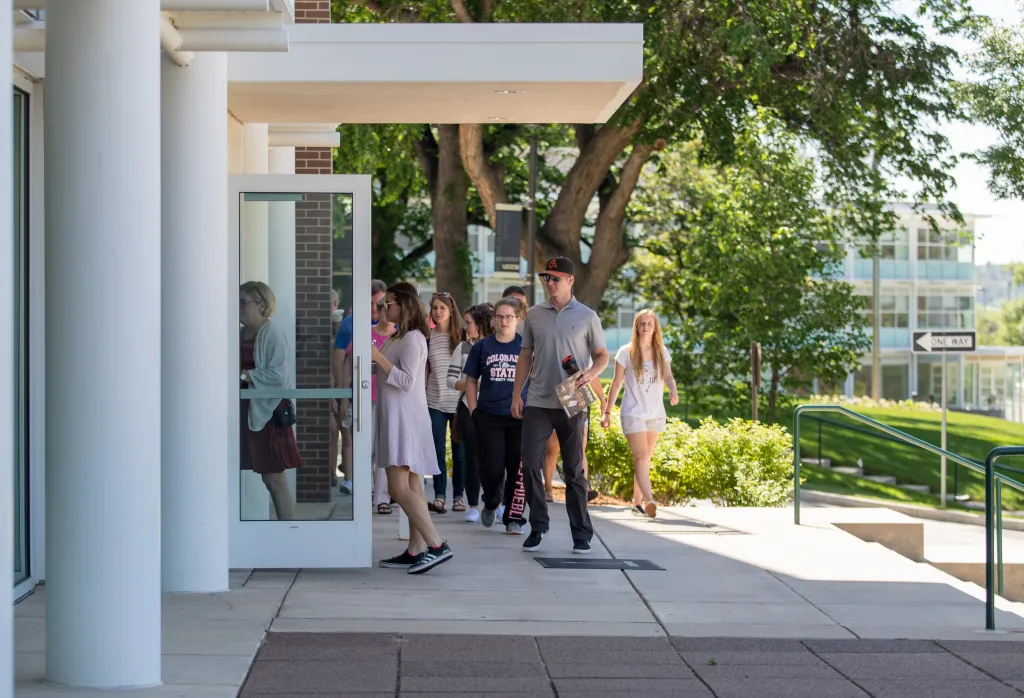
[[955, 342]]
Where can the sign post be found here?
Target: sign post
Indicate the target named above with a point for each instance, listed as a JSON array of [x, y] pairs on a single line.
[[953, 342]]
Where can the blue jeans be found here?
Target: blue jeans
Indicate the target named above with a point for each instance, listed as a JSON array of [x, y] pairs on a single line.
[[440, 423]]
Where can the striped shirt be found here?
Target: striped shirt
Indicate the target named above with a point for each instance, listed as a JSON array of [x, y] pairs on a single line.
[[456, 366], [439, 395]]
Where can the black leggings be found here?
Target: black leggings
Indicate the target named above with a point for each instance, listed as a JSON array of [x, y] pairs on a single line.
[[500, 438], [467, 434]]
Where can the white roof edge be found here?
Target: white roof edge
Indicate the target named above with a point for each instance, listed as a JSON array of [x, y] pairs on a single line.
[[569, 33]]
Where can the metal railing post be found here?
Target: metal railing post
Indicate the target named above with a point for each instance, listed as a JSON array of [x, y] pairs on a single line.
[[990, 581], [820, 462], [993, 529], [796, 465], [999, 536]]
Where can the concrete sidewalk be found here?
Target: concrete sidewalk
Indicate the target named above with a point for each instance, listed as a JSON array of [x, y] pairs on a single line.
[[729, 573]]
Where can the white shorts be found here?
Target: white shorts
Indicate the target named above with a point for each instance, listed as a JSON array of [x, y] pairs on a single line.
[[637, 425]]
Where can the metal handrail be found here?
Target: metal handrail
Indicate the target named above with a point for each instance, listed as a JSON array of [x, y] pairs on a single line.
[[886, 437], [905, 438], [993, 491], [994, 526]]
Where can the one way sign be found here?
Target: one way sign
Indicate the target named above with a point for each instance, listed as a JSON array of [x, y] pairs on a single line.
[[944, 342]]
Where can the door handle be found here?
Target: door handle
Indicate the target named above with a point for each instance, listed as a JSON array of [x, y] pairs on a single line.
[[358, 399]]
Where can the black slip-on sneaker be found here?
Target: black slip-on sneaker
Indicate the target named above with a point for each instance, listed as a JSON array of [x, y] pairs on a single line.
[[432, 557], [533, 541], [403, 561], [581, 547]]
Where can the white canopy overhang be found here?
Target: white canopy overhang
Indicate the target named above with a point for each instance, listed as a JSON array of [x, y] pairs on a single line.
[[439, 73]]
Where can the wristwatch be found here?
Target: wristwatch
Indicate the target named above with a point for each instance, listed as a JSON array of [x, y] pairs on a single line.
[[244, 377]]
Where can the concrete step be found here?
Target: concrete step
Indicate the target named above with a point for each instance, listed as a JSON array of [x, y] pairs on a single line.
[[916, 488], [848, 470], [820, 462], [974, 572], [883, 479]]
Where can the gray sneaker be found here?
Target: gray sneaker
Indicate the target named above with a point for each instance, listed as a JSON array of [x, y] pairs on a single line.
[[487, 517], [513, 529]]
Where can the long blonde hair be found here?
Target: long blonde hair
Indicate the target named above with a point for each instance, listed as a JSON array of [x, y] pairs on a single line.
[[657, 347]]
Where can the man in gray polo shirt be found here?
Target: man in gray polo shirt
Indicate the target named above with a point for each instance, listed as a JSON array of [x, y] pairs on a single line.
[[552, 331]]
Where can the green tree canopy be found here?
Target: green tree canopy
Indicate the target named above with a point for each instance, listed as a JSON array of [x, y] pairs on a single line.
[[996, 98], [745, 253], [400, 213], [860, 84]]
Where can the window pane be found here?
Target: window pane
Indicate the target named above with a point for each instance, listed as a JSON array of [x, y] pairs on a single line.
[[21, 483]]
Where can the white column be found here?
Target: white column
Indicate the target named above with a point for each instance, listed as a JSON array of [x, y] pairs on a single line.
[[254, 244], [281, 246], [103, 385], [255, 266], [281, 253], [8, 313], [197, 316]]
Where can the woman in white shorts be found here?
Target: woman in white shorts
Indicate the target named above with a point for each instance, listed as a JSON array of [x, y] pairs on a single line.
[[645, 367]]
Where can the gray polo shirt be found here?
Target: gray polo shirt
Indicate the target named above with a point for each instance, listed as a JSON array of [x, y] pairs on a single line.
[[553, 335]]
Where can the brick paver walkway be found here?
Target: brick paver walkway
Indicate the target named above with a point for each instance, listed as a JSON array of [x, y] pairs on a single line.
[[326, 664]]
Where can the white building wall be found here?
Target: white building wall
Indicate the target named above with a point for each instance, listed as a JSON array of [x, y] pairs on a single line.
[[236, 146]]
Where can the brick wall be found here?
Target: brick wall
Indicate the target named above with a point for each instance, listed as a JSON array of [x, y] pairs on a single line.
[[313, 161], [312, 11], [313, 342], [313, 304]]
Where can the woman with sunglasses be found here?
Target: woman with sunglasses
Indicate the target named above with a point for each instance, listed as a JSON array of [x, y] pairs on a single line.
[[400, 418], [444, 401], [478, 325]]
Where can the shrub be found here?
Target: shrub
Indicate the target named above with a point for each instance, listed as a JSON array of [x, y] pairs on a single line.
[[740, 463], [868, 403]]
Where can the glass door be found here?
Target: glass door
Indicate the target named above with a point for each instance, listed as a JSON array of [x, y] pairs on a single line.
[[300, 474]]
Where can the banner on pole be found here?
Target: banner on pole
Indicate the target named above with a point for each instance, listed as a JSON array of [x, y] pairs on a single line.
[[508, 237]]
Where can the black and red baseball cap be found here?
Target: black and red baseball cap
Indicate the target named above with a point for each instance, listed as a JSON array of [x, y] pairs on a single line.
[[560, 266]]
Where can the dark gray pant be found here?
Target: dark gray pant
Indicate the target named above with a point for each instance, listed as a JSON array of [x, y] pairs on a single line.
[[538, 423]]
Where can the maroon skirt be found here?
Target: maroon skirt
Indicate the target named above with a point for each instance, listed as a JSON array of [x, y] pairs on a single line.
[[269, 450]]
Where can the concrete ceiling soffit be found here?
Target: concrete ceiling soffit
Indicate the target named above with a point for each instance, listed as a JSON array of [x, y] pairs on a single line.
[[573, 73]]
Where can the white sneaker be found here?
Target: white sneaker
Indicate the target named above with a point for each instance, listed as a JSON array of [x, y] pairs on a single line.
[[472, 515], [499, 513]]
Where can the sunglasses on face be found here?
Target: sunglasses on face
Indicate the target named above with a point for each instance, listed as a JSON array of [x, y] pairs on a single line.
[[550, 279]]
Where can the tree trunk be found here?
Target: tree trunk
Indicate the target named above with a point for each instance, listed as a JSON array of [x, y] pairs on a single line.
[[560, 234], [442, 162]]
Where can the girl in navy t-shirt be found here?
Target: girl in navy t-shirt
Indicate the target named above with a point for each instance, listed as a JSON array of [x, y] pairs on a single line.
[[490, 378]]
